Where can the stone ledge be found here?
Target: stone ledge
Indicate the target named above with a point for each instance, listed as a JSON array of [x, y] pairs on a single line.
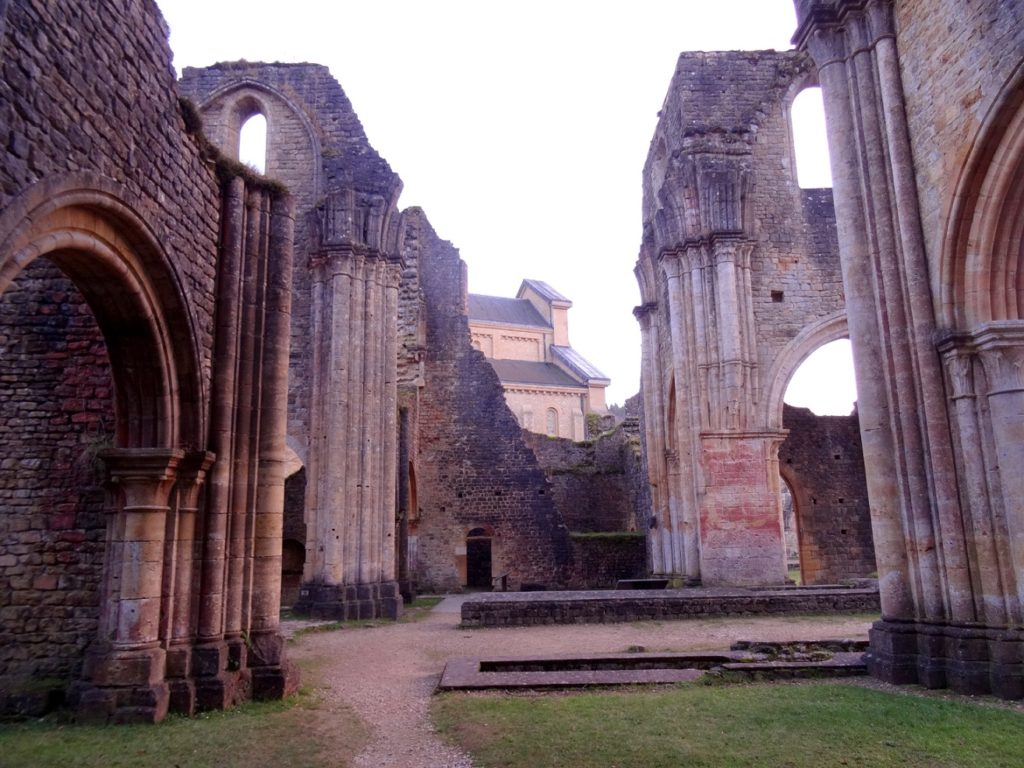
[[606, 606]]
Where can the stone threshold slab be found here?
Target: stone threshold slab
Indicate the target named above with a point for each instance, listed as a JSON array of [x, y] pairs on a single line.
[[630, 669]]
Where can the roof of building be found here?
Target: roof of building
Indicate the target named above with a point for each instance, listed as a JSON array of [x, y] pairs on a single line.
[[498, 309], [576, 363], [545, 290], [538, 374]]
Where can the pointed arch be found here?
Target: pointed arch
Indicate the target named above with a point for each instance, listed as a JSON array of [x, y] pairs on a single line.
[[982, 269], [84, 225]]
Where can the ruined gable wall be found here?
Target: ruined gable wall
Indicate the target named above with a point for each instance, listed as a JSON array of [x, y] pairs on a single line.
[[822, 461], [473, 467], [951, 77]]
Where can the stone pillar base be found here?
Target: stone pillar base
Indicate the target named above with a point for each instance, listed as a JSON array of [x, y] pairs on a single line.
[[353, 601], [967, 659], [122, 686]]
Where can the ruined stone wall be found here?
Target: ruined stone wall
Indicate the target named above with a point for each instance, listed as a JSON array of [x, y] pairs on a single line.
[[315, 146], [103, 172], [56, 415], [601, 559], [950, 84], [821, 460], [103, 102], [473, 468], [589, 482], [740, 281]]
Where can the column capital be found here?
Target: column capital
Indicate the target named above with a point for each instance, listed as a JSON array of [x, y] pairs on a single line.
[[146, 475]]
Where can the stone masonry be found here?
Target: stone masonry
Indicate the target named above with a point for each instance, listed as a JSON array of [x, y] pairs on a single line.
[[926, 135], [169, 578], [822, 463], [740, 282]]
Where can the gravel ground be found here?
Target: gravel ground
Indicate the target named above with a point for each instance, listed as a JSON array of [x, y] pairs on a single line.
[[388, 673]]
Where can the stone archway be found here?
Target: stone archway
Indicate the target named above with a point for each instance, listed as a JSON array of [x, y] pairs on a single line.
[[83, 226]]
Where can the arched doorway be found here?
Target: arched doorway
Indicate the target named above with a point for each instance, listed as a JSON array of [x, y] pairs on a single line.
[[478, 559]]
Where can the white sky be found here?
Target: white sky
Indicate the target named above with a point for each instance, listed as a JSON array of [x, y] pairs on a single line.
[[521, 128]]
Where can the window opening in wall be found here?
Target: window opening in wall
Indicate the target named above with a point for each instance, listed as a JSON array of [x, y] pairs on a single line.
[[810, 144], [252, 143], [824, 383], [791, 539], [552, 422]]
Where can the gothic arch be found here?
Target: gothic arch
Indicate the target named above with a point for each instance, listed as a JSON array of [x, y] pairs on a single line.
[[83, 224], [243, 98], [982, 267], [812, 337]]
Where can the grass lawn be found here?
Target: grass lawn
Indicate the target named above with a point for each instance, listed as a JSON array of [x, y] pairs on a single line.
[[303, 732], [763, 725]]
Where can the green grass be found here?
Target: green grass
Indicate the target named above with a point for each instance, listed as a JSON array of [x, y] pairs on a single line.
[[302, 732], [790, 726]]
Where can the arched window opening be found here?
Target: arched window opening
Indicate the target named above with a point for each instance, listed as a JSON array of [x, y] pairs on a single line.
[[810, 143], [825, 383], [791, 539], [252, 143], [552, 422]]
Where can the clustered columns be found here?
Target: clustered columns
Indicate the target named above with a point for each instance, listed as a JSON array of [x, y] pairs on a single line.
[[942, 455], [193, 560], [724, 471], [351, 492]]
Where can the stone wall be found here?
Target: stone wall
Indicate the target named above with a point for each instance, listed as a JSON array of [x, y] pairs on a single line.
[[601, 559], [104, 173], [90, 113], [473, 468], [740, 280], [821, 460], [589, 480], [56, 415]]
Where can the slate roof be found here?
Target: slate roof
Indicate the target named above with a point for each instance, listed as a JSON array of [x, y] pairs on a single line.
[[544, 290], [498, 309], [575, 362], [529, 372]]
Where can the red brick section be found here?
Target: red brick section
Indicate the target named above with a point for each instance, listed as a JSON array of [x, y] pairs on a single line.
[[56, 414]]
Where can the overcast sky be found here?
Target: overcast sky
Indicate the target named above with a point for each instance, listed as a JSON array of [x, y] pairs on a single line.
[[520, 127]]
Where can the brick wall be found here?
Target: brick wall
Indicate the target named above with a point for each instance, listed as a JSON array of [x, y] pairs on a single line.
[[56, 413], [821, 460], [100, 98], [473, 468], [589, 480]]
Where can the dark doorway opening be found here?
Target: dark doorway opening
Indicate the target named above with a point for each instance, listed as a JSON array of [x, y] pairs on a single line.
[[478, 559]]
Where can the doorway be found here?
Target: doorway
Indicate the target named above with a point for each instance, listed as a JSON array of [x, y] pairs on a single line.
[[478, 559]]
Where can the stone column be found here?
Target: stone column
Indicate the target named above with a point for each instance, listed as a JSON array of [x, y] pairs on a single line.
[[918, 528], [184, 585], [125, 671], [272, 676]]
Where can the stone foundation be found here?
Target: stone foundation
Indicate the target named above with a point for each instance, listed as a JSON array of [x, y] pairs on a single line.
[[350, 601]]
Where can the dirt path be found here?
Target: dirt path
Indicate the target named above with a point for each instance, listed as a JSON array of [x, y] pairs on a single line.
[[388, 673]]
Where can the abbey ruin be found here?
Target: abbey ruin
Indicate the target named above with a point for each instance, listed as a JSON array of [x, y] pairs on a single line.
[[218, 386]]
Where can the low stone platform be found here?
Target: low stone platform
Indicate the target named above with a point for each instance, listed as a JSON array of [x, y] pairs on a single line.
[[514, 609], [539, 672]]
